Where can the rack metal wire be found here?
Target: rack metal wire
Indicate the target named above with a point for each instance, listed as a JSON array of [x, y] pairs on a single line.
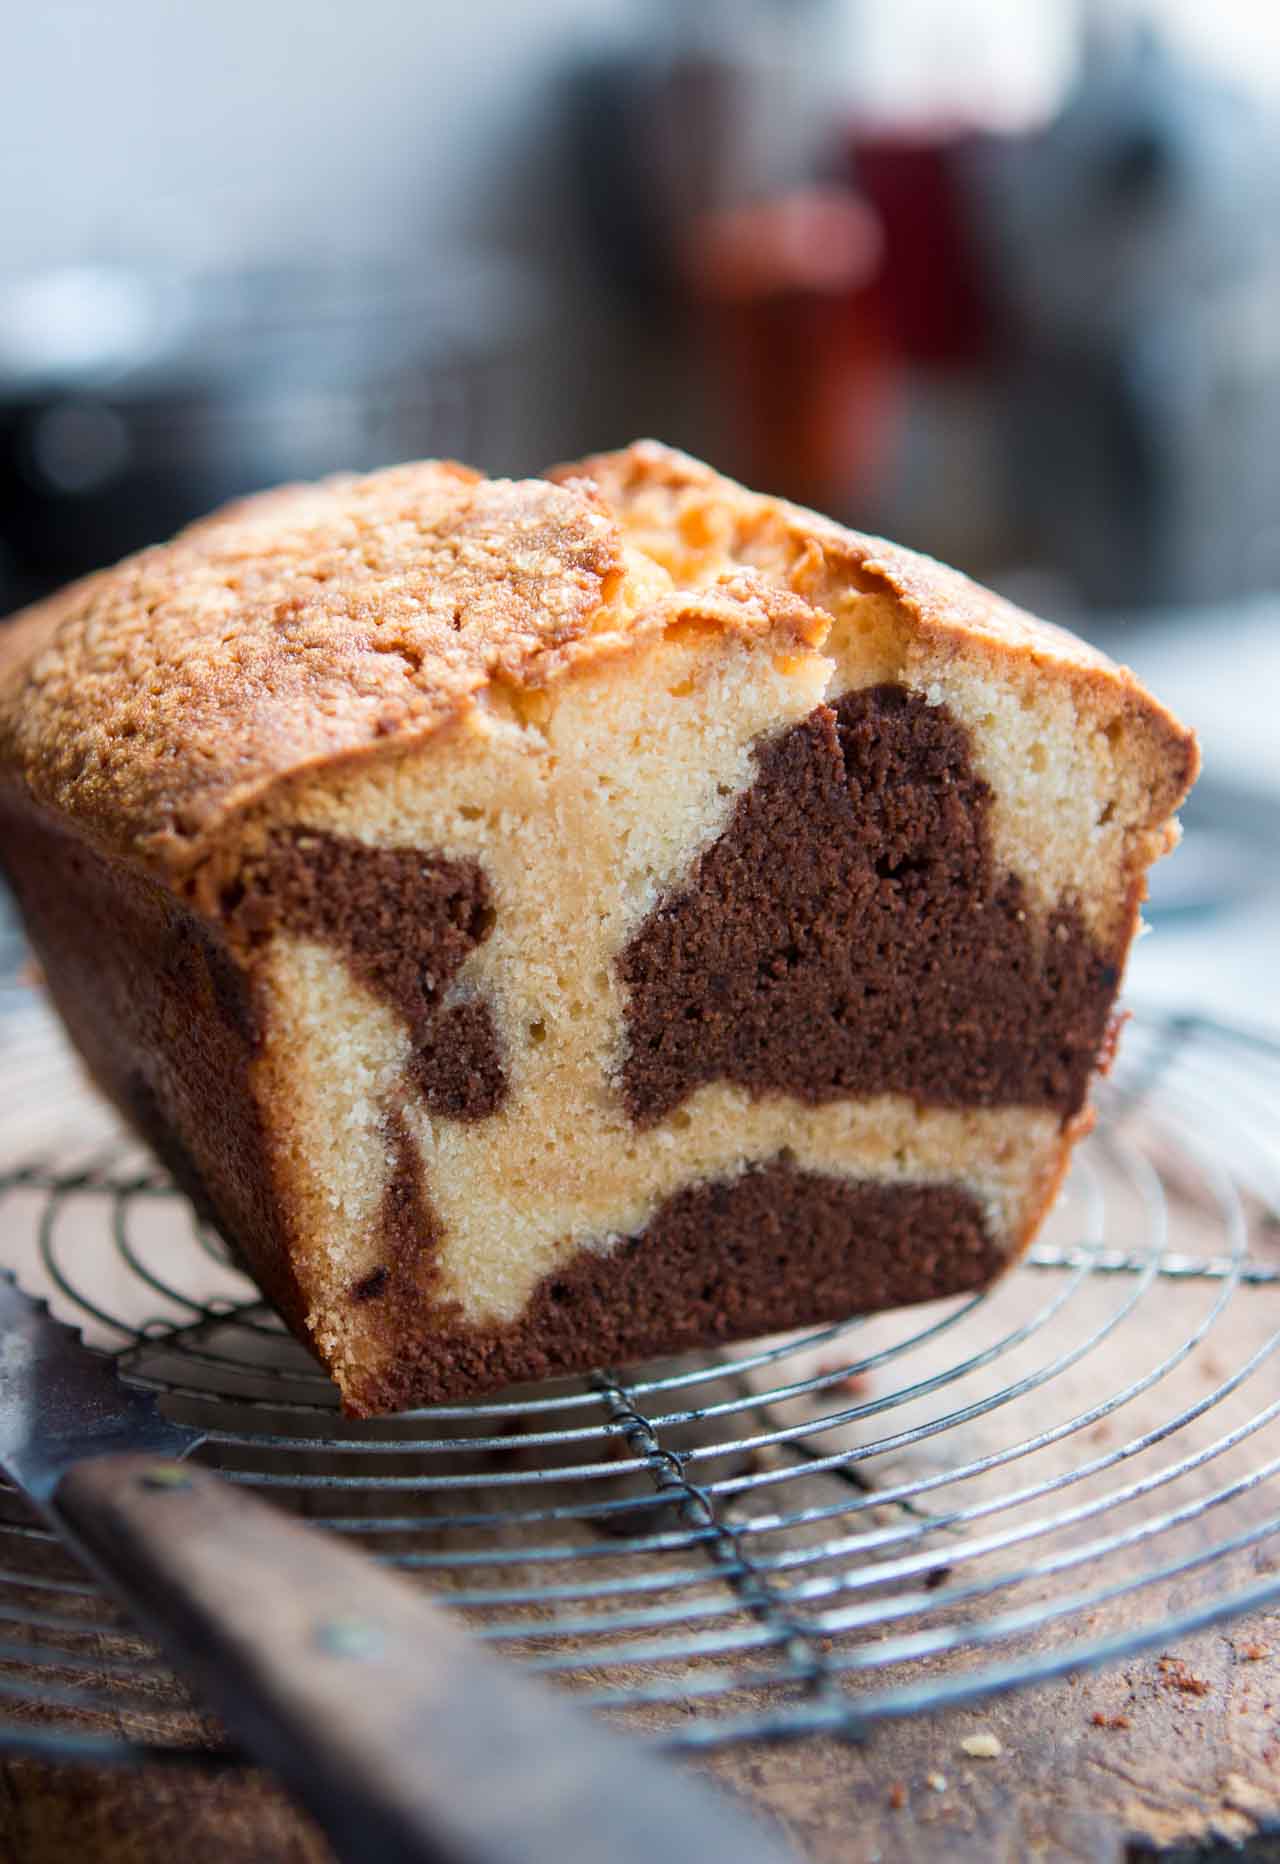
[[804, 1537]]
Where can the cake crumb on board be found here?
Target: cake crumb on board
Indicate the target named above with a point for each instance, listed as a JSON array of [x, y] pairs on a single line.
[[1174, 1674], [983, 1745], [1101, 1719]]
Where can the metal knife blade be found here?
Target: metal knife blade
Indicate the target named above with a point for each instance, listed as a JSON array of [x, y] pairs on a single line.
[[62, 1403]]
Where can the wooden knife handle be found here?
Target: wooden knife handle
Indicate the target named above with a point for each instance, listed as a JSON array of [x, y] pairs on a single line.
[[404, 1737]]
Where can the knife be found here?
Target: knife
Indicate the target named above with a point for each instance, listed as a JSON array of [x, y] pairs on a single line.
[[406, 1739]]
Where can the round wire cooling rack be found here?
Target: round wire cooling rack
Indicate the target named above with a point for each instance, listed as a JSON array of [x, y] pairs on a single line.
[[804, 1536]]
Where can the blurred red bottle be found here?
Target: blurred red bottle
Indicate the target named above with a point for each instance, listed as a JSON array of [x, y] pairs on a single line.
[[794, 326]]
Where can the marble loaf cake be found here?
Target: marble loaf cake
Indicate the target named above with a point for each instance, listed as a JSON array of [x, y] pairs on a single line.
[[553, 922]]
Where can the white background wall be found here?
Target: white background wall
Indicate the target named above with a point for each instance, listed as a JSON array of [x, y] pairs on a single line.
[[208, 131], [215, 128], [204, 129]]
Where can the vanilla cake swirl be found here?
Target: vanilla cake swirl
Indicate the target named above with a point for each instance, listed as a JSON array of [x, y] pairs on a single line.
[[547, 923]]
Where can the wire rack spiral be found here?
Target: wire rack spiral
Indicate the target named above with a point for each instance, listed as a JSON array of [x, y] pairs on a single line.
[[805, 1536]]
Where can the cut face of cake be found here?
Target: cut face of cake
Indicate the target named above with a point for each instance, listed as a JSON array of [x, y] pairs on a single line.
[[557, 922]]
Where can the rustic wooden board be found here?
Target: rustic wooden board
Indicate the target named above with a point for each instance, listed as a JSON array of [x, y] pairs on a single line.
[[1186, 1771]]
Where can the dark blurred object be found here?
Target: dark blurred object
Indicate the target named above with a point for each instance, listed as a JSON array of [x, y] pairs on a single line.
[[795, 332], [1139, 254], [131, 403], [647, 141], [715, 105]]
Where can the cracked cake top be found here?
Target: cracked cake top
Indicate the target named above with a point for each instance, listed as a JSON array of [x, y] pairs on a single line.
[[153, 702]]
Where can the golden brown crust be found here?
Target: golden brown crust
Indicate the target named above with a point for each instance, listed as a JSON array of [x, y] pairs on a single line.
[[152, 703], [936, 594], [941, 605]]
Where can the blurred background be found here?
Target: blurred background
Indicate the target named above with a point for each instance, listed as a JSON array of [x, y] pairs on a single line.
[[999, 279]]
